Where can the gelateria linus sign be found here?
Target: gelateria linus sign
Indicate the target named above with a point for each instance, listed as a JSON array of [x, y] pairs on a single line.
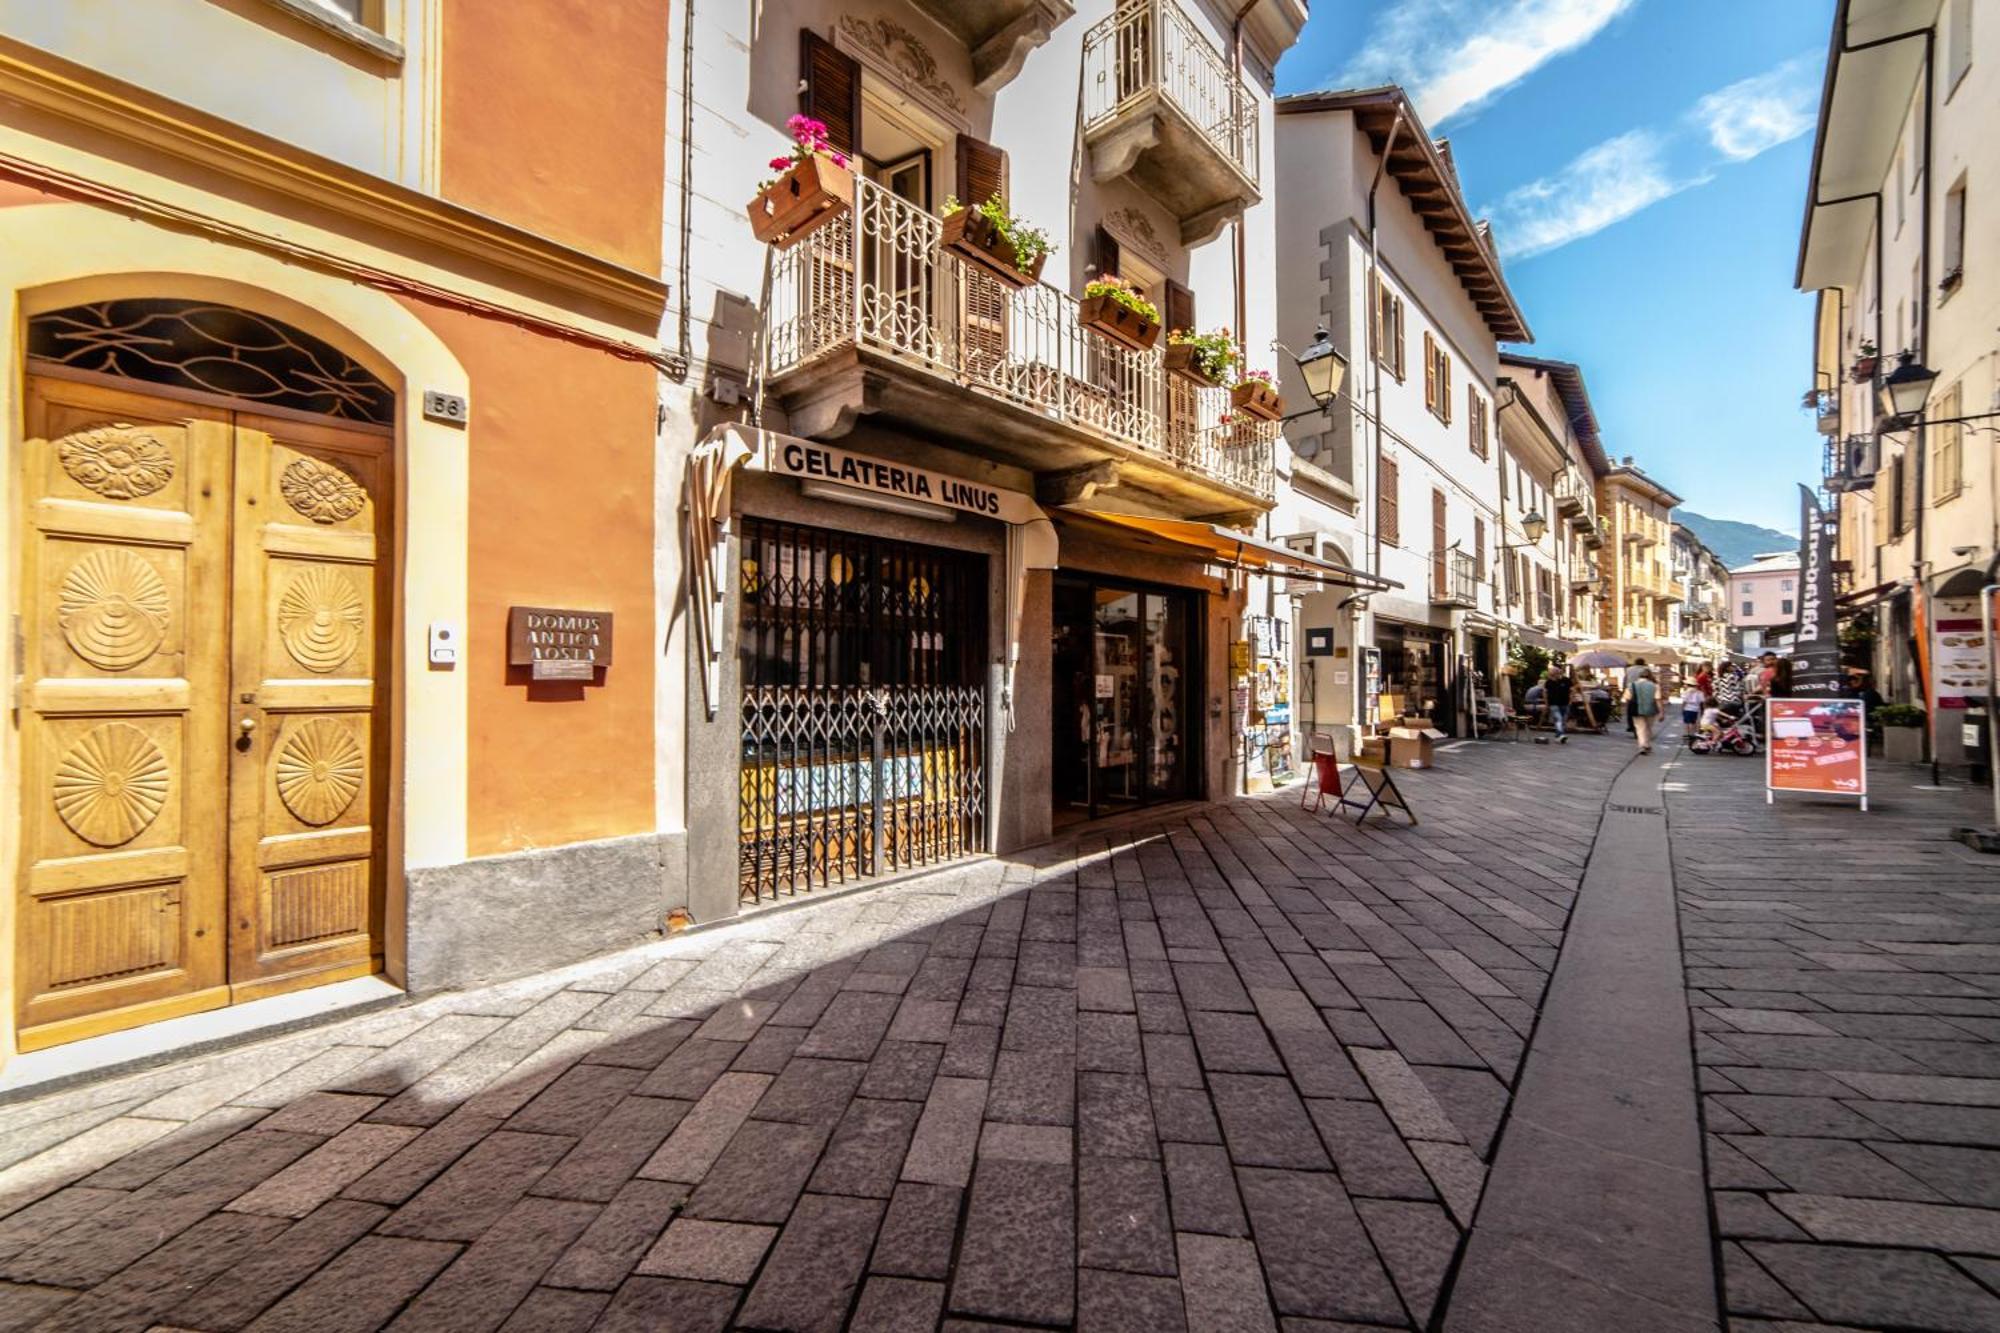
[[819, 462], [558, 644]]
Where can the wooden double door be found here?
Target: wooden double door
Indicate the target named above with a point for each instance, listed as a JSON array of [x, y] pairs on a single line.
[[201, 706]]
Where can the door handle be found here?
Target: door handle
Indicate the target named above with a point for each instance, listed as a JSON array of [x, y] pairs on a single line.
[[246, 727]]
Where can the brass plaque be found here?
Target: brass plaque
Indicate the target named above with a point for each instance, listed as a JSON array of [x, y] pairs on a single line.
[[558, 644]]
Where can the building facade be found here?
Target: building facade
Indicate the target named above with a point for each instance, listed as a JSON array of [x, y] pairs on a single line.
[[1553, 458], [1764, 602], [1635, 562], [1400, 476], [1902, 260], [331, 341], [1699, 624], [962, 566]]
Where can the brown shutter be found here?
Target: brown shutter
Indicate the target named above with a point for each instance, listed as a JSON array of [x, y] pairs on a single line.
[[1909, 485], [1430, 373], [1180, 307], [1375, 321], [982, 170], [1386, 518], [1440, 576], [1478, 546], [832, 93], [1107, 254]]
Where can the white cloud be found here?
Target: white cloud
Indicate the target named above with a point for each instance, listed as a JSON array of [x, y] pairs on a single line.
[[1762, 111], [1600, 186], [1456, 55]]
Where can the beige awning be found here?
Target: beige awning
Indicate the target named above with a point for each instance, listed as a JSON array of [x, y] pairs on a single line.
[[1236, 550]]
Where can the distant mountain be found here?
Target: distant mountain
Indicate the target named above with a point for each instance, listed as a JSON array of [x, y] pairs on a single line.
[[1735, 543]]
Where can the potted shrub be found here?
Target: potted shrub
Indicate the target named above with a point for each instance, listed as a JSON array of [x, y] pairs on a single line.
[[997, 241], [1255, 395], [813, 188], [1866, 364], [1205, 358], [1902, 733], [1114, 308]]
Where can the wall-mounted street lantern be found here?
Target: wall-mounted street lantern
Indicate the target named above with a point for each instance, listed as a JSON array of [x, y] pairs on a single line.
[[1908, 387], [1533, 525], [1322, 368]]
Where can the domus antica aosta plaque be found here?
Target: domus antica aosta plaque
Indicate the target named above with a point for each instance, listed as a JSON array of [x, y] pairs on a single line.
[[558, 644]]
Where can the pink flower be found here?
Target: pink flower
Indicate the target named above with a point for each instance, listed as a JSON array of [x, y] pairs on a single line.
[[780, 164], [839, 159]]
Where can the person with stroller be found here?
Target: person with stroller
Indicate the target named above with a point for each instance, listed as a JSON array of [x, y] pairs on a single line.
[[1555, 693], [1642, 706]]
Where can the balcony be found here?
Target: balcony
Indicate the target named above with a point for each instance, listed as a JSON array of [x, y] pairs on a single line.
[[868, 319], [1572, 500], [1454, 580], [998, 33], [1163, 106], [1596, 535]]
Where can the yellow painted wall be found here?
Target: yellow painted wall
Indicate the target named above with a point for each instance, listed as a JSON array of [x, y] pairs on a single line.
[[561, 515]]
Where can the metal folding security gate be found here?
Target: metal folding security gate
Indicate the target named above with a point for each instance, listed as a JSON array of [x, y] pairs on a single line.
[[864, 706]]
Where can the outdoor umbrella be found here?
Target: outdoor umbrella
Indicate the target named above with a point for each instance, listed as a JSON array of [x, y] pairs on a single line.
[[1598, 659]]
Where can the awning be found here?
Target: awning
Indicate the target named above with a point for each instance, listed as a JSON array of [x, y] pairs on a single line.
[[1964, 583], [1636, 650], [1235, 550], [1862, 599], [1548, 642]]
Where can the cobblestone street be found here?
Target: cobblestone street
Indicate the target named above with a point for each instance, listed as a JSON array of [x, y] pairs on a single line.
[[1226, 1067]]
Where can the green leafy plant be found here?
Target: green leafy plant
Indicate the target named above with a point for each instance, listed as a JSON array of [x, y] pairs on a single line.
[[1214, 352], [1122, 293], [1529, 662], [1030, 243], [1900, 715]]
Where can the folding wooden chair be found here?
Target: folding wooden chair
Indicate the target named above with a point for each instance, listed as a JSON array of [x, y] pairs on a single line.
[[1322, 776], [1383, 795]]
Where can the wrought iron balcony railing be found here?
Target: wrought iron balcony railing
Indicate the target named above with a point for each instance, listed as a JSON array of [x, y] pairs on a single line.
[[1151, 46], [1454, 579], [877, 280]]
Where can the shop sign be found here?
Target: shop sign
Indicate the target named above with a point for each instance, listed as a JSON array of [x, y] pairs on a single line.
[[820, 462], [1958, 653], [558, 644], [1816, 745]]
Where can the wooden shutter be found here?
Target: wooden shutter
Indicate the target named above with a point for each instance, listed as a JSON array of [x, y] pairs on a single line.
[[1375, 320], [1906, 482], [1180, 307], [1440, 576], [1478, 547], [982, 170], [1107, 254], [1444, 385], [832, 81], [1386, 518], [1398, 335], [1430, 373]]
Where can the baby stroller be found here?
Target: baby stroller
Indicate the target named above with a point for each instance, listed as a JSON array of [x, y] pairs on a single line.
[[1742, 733]]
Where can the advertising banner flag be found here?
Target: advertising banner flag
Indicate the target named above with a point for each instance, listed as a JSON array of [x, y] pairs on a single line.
[[1816, 745], [1816, 656]]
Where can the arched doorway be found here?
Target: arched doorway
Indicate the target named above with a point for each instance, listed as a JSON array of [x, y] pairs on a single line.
[[205, 589]]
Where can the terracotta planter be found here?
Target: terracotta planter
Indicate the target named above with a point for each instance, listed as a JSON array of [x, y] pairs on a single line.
[[1118, 323], [1864, 369], [973, 236], [1258, 399], [1181, 361], [811, 194]]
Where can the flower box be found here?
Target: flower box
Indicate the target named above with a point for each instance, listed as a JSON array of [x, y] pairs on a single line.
[[1119, 323], [1864, 369], [1182, 360], [811, 194], [972, 235], [1257, 398]]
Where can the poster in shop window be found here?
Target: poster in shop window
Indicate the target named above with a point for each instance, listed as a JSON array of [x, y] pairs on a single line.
[[1816, 745], [1958, 652]]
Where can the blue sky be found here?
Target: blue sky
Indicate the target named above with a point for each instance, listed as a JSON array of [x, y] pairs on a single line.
[[1644, 164]]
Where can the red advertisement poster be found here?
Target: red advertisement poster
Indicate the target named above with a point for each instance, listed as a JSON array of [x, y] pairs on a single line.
[[1816, 745]]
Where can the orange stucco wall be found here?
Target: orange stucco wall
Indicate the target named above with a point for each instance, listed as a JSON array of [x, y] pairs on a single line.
[[561, 515], [553, 116]]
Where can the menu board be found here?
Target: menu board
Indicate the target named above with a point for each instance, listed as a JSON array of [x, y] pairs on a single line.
[[1958, 652], [1816, 745]]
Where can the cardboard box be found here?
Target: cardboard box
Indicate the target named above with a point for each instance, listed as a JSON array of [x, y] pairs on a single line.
[[1413, 747], [1374, 751]]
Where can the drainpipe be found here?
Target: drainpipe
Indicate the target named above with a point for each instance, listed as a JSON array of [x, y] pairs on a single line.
[[1374, 352]]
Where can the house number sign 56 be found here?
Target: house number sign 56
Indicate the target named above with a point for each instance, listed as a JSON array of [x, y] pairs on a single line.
[[558, 644]]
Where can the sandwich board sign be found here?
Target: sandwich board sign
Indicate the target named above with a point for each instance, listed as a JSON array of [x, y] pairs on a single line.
[[1816, 745]]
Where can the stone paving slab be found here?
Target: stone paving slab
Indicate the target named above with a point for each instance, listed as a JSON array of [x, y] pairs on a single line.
[[1842, 986], [1228, 1066]]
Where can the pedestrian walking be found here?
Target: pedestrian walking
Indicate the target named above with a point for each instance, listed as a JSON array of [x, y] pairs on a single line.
[[1642, 705], [1632, 674], [1555, 692]]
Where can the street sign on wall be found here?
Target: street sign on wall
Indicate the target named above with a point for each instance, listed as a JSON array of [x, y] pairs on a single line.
[[1816, 745]]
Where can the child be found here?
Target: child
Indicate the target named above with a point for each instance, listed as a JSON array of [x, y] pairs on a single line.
[[1692, 702]]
